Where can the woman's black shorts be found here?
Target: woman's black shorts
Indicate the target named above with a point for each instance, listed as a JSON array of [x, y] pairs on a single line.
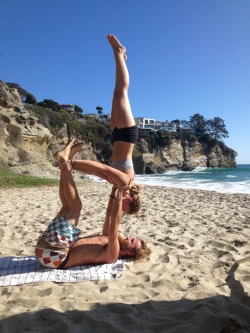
[[127, 134]]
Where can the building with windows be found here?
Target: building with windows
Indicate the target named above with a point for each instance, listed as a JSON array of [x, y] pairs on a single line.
[[166, 126], [145, 123], [153, 125]]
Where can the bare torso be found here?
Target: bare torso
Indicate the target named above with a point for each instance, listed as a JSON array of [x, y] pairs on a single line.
[[96, 239], [88, 250]]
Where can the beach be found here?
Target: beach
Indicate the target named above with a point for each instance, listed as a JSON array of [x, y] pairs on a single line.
[[191, 283]]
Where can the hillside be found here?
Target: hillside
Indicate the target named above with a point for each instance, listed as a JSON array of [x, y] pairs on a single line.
[[29, 135]]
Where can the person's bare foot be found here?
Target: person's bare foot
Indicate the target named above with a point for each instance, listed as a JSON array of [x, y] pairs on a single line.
[[63, 155], [74, 149], [116, 45]]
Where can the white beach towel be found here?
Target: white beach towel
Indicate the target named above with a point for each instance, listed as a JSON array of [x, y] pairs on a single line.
[[19, 270]]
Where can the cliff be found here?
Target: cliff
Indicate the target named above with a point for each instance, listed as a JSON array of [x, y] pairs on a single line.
[[27, 146], [185, 155]]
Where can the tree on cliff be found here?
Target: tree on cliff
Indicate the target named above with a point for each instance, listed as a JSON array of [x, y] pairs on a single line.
[[216, 128], [50, 104], [22, 92], [30, 99], [198, 122], [78, 110], [99, 110]]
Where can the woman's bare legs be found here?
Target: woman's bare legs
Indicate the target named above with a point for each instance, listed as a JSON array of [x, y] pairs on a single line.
[[121, 115], [71, 203]]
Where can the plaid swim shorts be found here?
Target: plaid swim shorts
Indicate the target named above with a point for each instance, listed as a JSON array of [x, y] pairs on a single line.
[[52, 248], [50, 258], [61, 232]]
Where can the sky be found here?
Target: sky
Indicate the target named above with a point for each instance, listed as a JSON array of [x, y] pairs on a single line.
[[184, 57]]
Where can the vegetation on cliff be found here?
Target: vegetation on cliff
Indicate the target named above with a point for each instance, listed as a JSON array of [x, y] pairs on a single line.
[[98, 132]]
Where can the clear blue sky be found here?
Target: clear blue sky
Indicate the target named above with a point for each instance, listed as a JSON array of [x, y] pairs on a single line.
[[184, 56]]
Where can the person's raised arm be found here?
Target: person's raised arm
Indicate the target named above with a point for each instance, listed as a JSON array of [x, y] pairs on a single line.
[[105, 229], [113, 249]]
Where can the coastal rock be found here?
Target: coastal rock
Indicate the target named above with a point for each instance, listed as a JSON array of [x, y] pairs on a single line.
[[148, 164], [218, 158], [25, 145], [185, 156], [173, 155]]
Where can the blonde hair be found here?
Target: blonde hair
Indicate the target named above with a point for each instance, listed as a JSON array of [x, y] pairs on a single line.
[[141, 253], [136, 196], [138, 254]]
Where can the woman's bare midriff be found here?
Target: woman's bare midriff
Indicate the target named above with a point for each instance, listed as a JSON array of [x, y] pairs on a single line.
[[122, 151]]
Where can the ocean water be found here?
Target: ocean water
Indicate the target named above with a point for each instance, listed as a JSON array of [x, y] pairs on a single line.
[[223, 180]]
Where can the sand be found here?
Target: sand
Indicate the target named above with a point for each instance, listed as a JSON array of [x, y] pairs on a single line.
[[191, 283]]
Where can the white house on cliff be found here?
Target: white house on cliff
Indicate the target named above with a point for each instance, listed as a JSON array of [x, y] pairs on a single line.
[[153, 125]]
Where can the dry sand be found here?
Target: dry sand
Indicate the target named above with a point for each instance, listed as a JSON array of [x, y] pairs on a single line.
[[190, 284]]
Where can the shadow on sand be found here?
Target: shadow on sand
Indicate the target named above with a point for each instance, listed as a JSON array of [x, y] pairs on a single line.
[[218, 314]]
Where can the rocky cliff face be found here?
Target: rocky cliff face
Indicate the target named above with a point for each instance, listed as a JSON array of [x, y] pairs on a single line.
[[186, 156], [25, 145]]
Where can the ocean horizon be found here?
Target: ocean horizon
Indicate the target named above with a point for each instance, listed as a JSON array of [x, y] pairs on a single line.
[[223, 180]]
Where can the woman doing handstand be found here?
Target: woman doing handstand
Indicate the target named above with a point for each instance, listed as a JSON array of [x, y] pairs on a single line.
[[124, 131]]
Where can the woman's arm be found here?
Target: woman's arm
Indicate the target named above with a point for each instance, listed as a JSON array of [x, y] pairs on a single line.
[[105, 229], [103, 171], [113, 248]]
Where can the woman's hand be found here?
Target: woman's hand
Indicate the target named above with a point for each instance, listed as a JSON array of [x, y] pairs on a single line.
[[126, 187], [65, 166], [113, 191], [123, 188]]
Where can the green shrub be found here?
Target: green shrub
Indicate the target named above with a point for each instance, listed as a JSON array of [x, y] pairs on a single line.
[[49, 103], [53, 120], [30, 99], [104, 150], [206, 138], [163, 138]]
